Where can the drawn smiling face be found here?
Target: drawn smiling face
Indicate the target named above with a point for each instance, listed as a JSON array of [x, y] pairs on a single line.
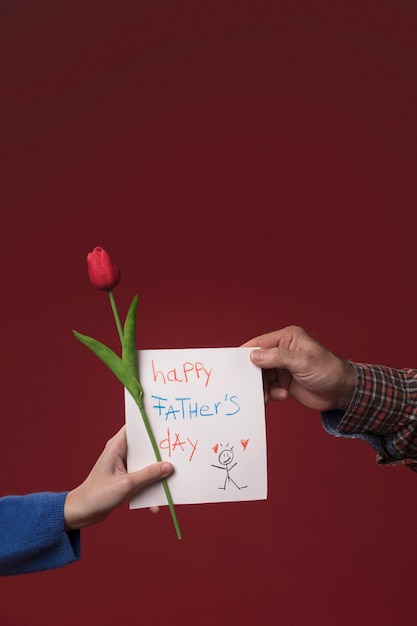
[[226, 456]]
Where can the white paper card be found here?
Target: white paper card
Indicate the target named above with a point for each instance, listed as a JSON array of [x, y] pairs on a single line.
[[206, 410]]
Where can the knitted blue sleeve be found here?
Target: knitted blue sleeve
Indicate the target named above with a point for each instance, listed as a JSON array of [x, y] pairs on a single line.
[[33, 536]]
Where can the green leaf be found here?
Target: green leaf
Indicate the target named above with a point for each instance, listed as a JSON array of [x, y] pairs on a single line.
[[114, 363], [129, 353]]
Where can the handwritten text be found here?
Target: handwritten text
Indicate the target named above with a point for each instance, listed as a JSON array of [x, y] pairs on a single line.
[[174, 442], [186, 408], [185, 373]]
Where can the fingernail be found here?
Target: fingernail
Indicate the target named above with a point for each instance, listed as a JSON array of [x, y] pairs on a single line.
[[166, 468], [258, 356]]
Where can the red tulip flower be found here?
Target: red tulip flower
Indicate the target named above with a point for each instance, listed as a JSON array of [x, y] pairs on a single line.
[[102, 270]]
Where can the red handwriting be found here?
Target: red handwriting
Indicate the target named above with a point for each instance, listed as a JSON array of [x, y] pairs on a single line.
[[186, 373], [174, 442]]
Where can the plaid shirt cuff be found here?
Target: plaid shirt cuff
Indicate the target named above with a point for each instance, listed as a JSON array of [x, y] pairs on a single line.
[[384, 404]]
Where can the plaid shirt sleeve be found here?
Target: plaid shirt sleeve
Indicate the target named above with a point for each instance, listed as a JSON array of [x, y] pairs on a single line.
[[384, 404]]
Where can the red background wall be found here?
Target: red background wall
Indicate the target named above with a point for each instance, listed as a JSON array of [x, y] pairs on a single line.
[[248, 165]]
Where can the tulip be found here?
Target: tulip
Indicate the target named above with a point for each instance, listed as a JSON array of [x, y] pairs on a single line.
[[102, 270], [105, 275]]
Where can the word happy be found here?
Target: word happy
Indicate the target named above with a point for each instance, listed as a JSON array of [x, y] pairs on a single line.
[[186, 373]]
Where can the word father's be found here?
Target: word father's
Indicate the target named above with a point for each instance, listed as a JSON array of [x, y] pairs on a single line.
[[184, 408]]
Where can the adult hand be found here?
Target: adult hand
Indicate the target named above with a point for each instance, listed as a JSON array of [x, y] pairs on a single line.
[[297, 365], [109, 484]]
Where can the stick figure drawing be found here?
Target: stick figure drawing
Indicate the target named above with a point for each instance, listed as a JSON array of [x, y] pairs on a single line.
[[225, 459]]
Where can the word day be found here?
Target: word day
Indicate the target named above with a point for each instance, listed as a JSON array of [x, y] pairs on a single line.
[[186, 408], [186, 373], [174, 442]]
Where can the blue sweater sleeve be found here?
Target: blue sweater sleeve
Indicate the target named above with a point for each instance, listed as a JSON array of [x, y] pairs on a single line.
[[33, 536]]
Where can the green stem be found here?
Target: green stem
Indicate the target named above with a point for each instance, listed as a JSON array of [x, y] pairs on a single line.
[[138, 400], [116, 315], [158, 458]]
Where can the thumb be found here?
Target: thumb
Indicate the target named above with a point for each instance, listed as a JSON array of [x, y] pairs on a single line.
[[269, 358], [150, 474]]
